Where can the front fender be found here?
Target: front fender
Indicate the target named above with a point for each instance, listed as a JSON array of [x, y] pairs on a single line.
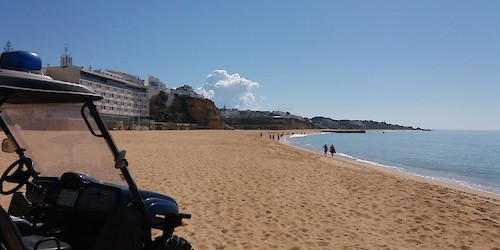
[[158, 204]]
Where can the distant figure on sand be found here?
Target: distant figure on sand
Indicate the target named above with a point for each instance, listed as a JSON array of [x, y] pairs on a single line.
[[325, 147], [332, 150]]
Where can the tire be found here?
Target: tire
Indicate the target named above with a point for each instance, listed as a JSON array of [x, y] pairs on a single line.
[[177, 243]]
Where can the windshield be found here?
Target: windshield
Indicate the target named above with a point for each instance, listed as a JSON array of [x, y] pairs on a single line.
[[57, 139]]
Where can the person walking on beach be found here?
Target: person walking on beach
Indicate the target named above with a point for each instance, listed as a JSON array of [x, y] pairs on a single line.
[[332, 150], [325, 147]]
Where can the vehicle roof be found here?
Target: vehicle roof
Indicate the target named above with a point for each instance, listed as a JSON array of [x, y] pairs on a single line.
[[23, 87]]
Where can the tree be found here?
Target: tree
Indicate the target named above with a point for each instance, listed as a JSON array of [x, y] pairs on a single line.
[[158, 107], [159, 111]]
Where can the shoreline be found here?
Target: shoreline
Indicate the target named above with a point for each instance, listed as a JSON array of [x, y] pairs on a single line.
[[402, 173]]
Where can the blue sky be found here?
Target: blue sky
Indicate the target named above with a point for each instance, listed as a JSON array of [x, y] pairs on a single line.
[[426, 63]]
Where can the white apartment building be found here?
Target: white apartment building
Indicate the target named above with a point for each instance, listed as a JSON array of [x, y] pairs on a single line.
[[187, 90], [155, 86], [123, 100]]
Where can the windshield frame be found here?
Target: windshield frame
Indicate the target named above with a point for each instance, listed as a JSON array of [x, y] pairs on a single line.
[[61, 137]]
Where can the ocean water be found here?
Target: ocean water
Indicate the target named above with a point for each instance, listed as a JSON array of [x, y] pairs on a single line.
[[466, 158]]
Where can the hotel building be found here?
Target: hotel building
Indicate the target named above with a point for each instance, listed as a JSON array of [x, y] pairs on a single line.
[[125, 97]]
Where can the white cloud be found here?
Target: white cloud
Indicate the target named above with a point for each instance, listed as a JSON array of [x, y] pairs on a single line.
[[229, 90]]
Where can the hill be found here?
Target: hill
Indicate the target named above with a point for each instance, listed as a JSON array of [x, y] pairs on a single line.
[[202, 113], [270, 120], [328, 123]]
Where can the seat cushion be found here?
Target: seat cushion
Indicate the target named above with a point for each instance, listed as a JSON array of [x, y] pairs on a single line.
[[48, 243]]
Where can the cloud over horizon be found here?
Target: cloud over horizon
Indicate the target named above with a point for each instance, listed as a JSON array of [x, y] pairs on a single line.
[[228, 90]]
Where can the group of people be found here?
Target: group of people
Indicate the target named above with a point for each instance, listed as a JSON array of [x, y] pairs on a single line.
[[332, 150], [271, 136], [325, 147]]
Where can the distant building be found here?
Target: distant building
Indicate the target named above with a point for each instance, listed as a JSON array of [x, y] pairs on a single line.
[[66, 59], [228, 113], [187, 90], [125, 99], [8, 47], [235, 113], [124, 76], [155, 86]]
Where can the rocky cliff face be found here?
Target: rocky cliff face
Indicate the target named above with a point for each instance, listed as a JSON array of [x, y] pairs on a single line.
[[204, 112], [172, 108]]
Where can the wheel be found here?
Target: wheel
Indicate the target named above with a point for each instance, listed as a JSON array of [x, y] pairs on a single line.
[[19, 175], [176, 243]]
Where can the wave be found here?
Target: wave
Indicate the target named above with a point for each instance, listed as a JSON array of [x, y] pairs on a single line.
[[298, 135], [350, 157], [452, 181]]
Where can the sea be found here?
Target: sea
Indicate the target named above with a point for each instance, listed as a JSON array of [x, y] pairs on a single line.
[[466, 158]]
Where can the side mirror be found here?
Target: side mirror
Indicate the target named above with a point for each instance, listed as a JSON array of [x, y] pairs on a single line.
[[8, 146]]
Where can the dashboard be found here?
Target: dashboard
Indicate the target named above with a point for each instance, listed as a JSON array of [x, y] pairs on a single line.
[[76, 192]]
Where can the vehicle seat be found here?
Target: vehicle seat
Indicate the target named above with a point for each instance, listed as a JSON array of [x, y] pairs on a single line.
[[11, 237]]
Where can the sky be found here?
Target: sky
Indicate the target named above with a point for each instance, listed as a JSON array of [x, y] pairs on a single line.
[[426, 63]]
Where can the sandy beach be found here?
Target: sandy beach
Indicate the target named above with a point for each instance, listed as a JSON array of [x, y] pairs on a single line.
[[248, 192]]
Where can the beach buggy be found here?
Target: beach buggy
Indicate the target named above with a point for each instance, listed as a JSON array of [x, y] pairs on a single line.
[[69, 184]]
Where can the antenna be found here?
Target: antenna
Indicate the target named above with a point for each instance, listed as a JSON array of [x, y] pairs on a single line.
[[65, 49], [66, 59], [8, 47]]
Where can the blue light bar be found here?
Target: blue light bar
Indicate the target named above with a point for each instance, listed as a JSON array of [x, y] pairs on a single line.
[[20, 61]]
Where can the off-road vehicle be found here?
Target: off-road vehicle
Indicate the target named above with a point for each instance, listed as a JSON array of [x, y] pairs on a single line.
[[70, 185]]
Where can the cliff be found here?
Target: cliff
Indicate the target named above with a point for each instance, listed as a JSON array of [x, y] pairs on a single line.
[[202, 113], [172, 108]]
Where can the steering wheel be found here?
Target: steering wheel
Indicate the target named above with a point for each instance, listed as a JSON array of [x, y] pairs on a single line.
[[19, 175]]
